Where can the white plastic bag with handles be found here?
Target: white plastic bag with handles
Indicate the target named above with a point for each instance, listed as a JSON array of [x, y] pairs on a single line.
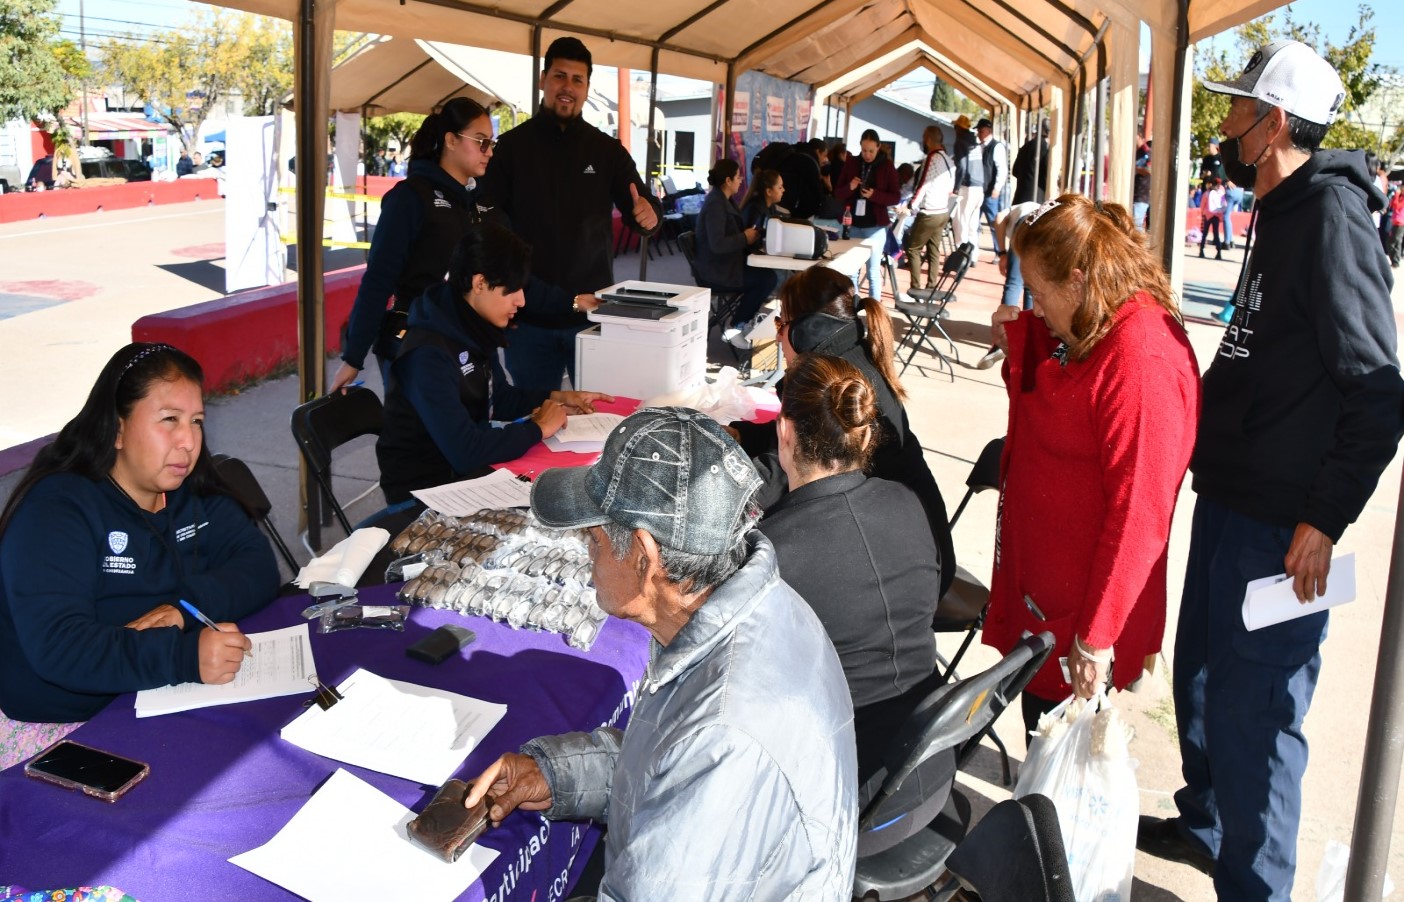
[[1080, 759]]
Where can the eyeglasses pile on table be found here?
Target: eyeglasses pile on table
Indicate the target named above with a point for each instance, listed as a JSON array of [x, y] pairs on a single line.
[[505, 565]]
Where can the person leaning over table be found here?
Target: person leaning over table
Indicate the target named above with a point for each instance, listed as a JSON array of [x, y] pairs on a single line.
[[1103, 400], [856, 548], [450, 411], [421, 220], [734, 779], [819, 315], [116, 521]]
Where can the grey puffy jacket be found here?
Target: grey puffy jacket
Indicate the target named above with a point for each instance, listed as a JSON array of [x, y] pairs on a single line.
[[736, 778]]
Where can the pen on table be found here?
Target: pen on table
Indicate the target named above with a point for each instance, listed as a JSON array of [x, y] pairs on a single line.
[[195, 612]]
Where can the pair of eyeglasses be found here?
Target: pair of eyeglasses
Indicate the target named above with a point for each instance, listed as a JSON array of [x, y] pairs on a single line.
[[484, 144], [781, 325]]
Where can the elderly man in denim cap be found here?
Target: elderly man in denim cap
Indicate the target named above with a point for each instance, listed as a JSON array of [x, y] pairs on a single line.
[[736, 777]]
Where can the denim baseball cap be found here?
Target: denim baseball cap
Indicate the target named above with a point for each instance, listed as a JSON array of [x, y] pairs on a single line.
[[670, 471]]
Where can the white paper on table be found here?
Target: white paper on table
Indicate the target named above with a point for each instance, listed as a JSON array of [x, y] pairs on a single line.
[[311, 855], [495, 491], [1271, 600], [281, 663], [396, 728], [347, 560], [584, 432]]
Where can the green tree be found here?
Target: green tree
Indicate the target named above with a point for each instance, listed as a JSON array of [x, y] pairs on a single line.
[[32, 81], [381, 130], [189, 72]]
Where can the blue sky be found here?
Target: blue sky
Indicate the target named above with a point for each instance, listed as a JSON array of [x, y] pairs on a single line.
[[105, 17]]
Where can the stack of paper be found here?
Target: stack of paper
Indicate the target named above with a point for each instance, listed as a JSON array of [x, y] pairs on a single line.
[[1272, 599], [396, 728], [280, 665], [495, 491], [584, 433], [349, 842]]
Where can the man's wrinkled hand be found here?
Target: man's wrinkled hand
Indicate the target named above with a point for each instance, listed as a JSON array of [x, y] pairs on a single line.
[[1308, 562], [514, 781]]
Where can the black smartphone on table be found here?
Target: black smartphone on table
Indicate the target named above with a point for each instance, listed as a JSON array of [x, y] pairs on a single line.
[[94, 772]]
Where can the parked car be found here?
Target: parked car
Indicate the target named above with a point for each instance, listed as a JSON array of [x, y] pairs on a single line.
[[113, 168]]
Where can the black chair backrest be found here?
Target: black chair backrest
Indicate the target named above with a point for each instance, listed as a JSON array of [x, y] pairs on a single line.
[[324, 424], [243, 485], [688, 242], [983, 475], [1015, 854], [955, 716], [957, 263]]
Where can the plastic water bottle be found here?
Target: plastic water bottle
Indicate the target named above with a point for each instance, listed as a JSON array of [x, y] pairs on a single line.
[[847, 221]]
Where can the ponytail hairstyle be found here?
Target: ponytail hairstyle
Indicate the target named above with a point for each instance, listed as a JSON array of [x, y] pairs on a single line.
[[820, 289], [763, 182], [86, 445], [833, 412], [1100, 239], [724, 169], [452, 118]]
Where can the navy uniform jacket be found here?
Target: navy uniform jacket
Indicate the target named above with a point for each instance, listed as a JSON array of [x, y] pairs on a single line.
[[80, 560]]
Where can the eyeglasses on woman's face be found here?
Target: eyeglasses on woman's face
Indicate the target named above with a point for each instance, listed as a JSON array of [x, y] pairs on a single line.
[[484, 144]]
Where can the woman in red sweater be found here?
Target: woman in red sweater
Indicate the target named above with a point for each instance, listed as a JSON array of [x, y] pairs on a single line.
[[1103, 405]]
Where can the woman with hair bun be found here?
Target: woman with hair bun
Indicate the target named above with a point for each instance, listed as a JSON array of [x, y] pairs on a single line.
[[819, 314], [856, 548], [722, 240], [117, 520], [1103, 402], [421, 220]]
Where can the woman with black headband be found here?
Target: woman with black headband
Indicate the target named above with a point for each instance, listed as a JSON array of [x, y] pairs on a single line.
[[117, 520], [421, 220]]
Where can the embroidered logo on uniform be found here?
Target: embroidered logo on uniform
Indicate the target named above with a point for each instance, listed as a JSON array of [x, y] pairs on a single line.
[[462, 357], [117, 541], [440, 201], [589, 169]]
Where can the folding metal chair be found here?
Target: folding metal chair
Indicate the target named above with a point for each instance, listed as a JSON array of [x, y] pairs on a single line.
[[243, 485], [928, 307], [723, 302], [320, 427]]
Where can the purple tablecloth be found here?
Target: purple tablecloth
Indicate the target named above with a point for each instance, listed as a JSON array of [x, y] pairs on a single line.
[[222, 781]]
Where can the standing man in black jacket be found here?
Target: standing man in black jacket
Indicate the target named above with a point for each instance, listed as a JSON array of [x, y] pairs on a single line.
[[556, 177], [1302, 412]]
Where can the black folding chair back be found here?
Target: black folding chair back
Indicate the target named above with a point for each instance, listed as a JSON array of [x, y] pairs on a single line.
[[1015, 854], [243, 485], [928, 306], [724, 301], [320, 427], [910, 817]]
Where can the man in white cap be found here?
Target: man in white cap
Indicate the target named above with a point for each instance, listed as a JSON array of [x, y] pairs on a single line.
[[1301, 414], [734, 779]]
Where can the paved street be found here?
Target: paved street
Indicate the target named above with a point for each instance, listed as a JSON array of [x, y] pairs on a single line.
[[71, 287]]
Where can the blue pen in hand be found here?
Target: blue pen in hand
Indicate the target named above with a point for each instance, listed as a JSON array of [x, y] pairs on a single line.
[[196, 613]]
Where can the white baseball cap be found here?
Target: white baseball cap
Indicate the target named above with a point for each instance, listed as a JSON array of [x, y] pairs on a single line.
[[1290, 75]]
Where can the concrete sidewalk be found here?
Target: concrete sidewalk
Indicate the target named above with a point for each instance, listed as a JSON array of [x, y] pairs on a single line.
[[954, 419]]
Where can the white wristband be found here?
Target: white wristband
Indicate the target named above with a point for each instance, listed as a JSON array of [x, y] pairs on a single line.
[[1102, 657]]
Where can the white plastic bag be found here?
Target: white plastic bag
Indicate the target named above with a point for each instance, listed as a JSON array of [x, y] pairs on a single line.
[[1331, 878], [1080, 760], [724, 399]]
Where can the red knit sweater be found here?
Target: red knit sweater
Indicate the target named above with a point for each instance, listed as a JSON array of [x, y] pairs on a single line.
[[1094, 458]]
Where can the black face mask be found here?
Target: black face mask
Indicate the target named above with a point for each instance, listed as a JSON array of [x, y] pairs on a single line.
[[1241, 173], [1238, 172]]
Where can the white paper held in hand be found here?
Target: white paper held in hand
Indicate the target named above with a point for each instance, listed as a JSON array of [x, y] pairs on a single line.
[[307, 858], [497, 490], [281, 663], [1272, 600]]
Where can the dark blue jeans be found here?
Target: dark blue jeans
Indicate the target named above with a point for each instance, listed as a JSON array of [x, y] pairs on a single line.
[[1015, 292], [759, 284], [537, 357], [1240, 699]]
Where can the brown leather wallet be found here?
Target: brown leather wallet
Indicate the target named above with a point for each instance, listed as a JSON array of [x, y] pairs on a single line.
[[445, 827]]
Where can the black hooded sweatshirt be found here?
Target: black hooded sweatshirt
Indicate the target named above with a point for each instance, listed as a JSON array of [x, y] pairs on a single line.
[[1303, 405]]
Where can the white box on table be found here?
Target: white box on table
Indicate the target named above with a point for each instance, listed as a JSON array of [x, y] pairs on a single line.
[[640, 358]]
